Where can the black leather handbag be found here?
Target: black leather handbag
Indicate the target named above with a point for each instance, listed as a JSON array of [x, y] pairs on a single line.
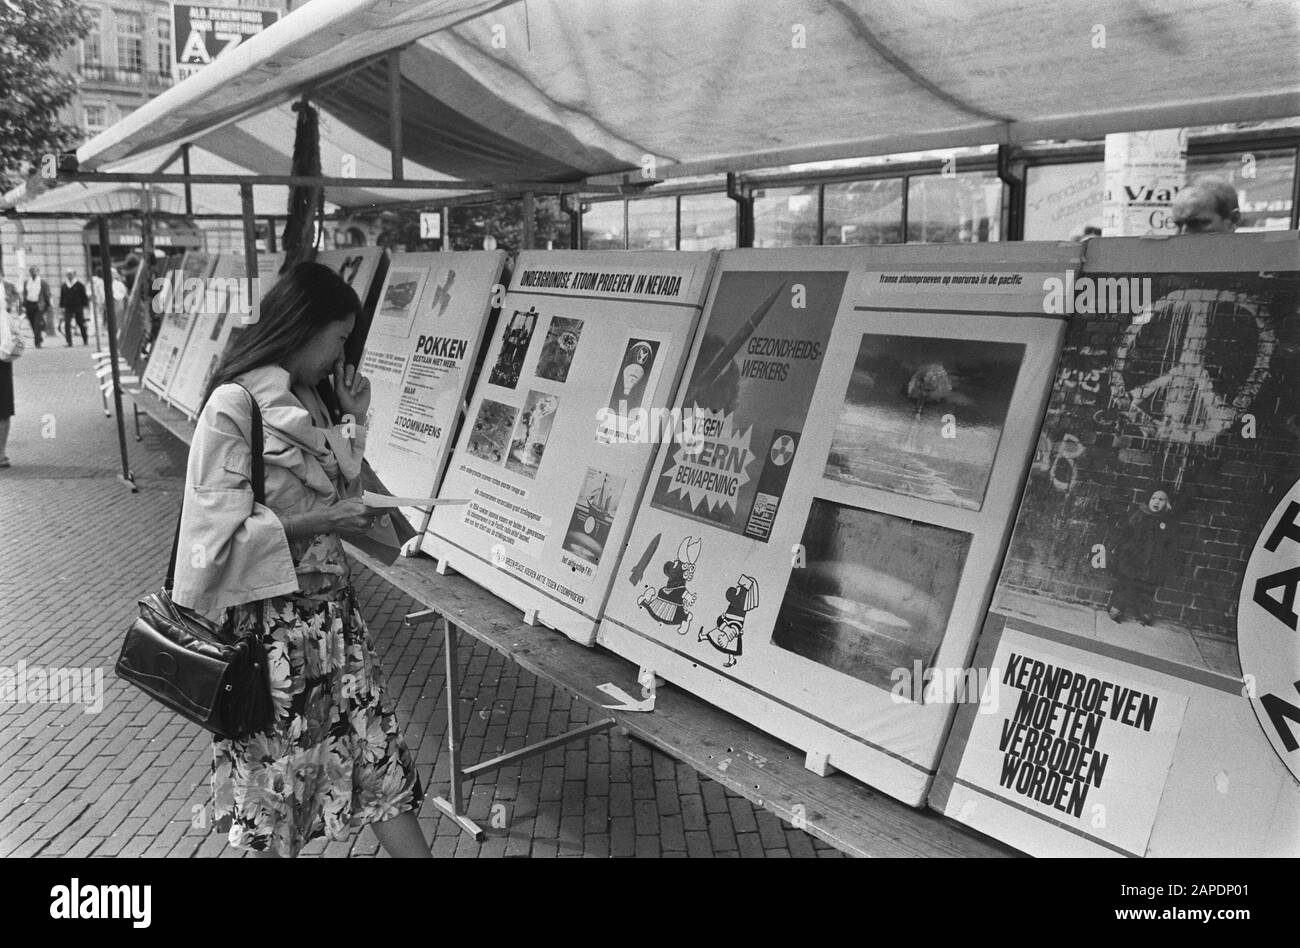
[[201, 670]]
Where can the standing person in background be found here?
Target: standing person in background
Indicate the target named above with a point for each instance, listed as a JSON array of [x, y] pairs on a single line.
[[8, 313], [96, 303], [36, 301], [72, 300], [1206, 206]]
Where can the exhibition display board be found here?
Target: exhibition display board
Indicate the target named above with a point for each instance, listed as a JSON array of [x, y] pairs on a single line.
[[363, 269], [177, 321], [559, 436], [821, 541], [420, 353], [225, 300], [1141, 648], [134, 324]]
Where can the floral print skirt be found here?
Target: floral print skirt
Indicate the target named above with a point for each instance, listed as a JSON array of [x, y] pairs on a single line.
[[335, 758]]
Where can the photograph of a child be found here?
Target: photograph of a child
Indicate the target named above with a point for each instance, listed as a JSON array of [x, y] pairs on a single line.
[[1143, 557]]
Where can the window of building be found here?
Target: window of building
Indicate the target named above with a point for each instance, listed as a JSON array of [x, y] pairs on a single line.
[[785, 217], [602, 226], [96, 117], [130, 42], [164, 35], [652, 224], [1264, 181], [959, 208], [1061, 200], [708, 222], [863, 212], [92, 44]]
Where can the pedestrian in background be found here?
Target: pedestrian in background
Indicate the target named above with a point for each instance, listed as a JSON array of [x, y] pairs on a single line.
[[11, 346], [36, 302], [73, 300]]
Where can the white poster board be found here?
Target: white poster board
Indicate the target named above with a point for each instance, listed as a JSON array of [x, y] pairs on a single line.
[[357, 265], [421, 349], [864, 418], [1158, 545], [560, 433], [178, 320]]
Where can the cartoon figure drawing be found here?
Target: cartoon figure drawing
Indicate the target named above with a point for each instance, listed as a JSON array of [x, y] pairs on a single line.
[[728, 634], [671, 605]]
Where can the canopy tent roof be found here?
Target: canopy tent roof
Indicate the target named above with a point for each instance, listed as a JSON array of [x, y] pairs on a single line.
[[586, 90]]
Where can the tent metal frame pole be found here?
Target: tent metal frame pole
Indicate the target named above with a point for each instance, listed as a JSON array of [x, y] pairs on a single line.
[[250, 230], [530, 221], [744, 210], [1013, 178], [395, 152], [110, 317], [322, 181], [185, 168]]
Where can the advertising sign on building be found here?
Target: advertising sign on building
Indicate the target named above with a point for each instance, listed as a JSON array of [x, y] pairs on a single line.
[[202, 33]]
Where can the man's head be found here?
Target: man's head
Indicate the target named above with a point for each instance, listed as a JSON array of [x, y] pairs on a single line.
[[34, 270], [1206, 206], [71, 276]]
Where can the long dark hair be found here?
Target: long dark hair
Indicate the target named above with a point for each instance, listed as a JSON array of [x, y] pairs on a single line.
[[306, 299]]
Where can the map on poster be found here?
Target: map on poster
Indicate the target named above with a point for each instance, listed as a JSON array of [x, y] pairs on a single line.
[[421, 350], [1154, 529], [556, 447], [178, 318], [822, 535]]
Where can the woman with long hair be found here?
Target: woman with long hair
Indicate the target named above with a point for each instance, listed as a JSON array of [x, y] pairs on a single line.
[[335, 757]]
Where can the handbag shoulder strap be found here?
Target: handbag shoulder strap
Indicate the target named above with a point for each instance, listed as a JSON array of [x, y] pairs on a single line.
[[259, 481]]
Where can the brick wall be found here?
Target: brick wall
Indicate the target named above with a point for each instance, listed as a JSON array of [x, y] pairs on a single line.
[[1139, 407]]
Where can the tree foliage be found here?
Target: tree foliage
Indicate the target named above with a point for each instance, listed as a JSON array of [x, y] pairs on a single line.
[[34, 87]]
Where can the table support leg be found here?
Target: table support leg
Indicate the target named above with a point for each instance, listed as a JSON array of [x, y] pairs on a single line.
[[455, 807]]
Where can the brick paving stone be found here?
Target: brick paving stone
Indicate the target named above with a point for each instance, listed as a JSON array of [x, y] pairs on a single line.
[[693, 813], [698, 844], [751, 845], [643, 782], [800, 844], [667, 797], [646, 816], [742, 815], [622, 836], [124, 781], [771, 830], [715, 797], [672, 834]]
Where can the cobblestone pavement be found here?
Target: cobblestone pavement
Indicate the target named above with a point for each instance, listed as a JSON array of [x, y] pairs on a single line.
[[76, 550]]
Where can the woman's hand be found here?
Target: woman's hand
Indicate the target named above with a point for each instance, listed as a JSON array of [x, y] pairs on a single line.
[[351, 517], [352, 390]]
